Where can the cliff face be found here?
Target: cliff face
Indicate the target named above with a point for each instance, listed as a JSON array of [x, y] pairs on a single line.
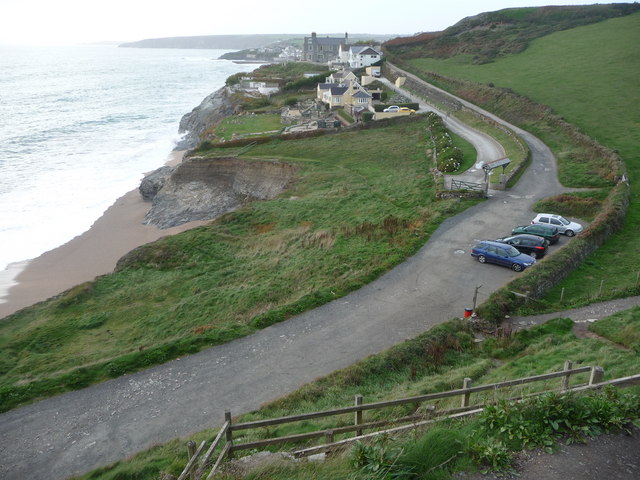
[[205, 188], [212, 109]]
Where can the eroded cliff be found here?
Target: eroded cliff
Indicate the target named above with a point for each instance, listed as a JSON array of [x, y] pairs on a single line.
[[205, 188]]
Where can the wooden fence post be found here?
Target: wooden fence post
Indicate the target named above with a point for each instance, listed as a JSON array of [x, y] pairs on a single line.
[[191, 451], [229, 434], [564, 384], [328, 436], [597, 375], [358, 419], [191, 448], [465, 398]]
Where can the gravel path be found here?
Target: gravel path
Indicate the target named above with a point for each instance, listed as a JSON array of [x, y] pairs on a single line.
[[590, 313], [78, 431], [614, 457]]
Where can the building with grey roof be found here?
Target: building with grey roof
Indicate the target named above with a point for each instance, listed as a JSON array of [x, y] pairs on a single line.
[[322, 49]]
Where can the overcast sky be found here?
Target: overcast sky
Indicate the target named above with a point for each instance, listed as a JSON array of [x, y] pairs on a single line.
[[54, 22]]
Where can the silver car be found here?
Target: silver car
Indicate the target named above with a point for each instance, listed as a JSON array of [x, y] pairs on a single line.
[[564, 226]]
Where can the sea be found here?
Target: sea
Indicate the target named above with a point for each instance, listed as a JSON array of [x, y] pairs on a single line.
[[79, 127]]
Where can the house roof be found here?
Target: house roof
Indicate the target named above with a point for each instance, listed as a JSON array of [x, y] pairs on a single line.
[[364, 51], [329, 41], [362, 94], [326, 86], [341, 73], [336, 90]]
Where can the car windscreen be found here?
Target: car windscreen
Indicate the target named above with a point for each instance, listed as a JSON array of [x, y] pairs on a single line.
[[564, 220], [512, 252]]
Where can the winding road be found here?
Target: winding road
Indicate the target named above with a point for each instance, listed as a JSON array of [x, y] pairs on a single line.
[[79, 431]]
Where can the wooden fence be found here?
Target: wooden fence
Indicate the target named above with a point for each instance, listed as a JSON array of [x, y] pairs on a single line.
[[196, 467]]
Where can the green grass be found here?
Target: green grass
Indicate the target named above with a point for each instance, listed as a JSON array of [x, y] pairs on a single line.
[[593, 71], [239, 126], [470, 155], [362, 203], [435, 361], [622, 328]]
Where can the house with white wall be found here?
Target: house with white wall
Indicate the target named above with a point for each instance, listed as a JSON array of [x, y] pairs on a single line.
[[360, 56]]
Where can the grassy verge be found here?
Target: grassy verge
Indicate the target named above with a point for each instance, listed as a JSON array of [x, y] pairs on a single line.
[[348, 218], [469, 154], [436, 361]]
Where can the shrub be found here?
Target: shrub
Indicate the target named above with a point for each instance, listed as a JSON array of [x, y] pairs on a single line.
[[448, 157]]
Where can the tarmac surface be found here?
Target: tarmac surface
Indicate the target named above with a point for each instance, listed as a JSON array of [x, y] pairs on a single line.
[[78, 431]]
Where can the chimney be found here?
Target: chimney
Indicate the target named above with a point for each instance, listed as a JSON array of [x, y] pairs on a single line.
[[313, 34]]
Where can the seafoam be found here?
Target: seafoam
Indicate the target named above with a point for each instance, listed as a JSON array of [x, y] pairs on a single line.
[[79, 127]]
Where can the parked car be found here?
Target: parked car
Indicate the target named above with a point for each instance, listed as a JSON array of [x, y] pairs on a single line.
[[545, 231], [407, 109], [501, 254], [564, 226], [392, 108], [532, 245]]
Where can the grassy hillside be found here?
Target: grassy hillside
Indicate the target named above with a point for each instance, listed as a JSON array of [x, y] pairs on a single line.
[[588, 75], [347, 219], [491, 35]]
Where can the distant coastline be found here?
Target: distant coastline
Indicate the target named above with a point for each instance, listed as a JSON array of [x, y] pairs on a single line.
[[223, 42]]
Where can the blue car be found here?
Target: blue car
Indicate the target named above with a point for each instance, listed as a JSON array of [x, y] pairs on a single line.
[[501, 254]]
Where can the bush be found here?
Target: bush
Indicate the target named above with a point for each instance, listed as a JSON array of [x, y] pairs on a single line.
[[234, 79], [448, 157], [304, 83]]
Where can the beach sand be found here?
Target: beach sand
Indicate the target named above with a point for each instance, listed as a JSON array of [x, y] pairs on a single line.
[[118, 231]]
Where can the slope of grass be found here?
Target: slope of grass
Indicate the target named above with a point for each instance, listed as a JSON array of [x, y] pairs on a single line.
[[435, 361], [362, 203], [491, 35], [589, 75]]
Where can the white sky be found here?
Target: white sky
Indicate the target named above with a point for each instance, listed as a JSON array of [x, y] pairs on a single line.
[[54, 22]]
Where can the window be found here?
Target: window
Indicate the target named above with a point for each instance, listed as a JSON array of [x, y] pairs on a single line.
[[544, 220]]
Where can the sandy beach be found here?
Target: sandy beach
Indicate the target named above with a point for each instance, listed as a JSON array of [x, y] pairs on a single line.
[[118, 231]]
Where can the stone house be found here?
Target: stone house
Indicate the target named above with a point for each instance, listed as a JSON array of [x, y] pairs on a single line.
[[322, 49]]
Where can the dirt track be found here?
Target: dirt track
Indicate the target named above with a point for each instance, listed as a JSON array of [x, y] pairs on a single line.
[[79, 431], [614, 457]]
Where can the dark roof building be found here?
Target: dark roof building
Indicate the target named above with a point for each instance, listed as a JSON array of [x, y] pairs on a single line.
[[322, 49]]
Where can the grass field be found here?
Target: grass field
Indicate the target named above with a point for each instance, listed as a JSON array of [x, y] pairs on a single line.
[[243, 125], [362, 203], [589, 75]]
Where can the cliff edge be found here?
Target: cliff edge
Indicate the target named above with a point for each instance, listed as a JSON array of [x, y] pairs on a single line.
[[205, 188], [212, 109]]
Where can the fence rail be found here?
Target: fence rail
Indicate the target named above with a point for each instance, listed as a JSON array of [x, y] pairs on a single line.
[[461, 185], [196, 467]]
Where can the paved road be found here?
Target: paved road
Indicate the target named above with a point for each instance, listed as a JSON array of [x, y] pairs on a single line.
[[78, 431]]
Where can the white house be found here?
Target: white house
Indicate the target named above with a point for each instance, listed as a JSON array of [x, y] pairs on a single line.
[[363, 56]]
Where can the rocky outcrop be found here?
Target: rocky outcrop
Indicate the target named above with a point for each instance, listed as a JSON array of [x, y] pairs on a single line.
[[205, 188], [153, 182], [212, 109]]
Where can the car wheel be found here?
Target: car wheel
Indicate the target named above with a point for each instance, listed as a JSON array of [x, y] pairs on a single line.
[[482, 259], [516, 267], [569, 233], [533, 255]]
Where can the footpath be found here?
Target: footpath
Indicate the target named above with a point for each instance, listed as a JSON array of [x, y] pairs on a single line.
[[78, 431]]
